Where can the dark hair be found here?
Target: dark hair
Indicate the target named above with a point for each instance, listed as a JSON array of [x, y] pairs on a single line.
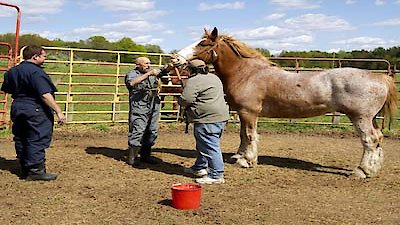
[[31, 50]]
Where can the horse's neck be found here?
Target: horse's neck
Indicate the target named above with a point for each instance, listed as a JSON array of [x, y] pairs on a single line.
[[230, 68]]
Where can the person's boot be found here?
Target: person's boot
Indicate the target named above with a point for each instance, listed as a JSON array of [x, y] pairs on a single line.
[[145, 155], [38, 173], [133, 156], [24, 170]]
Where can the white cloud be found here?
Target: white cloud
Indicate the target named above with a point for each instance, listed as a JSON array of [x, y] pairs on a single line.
[[390, 22], [115, 31], [126, 26], [270, 32], [318, 22], [148, 15], [35, 19], [365, 42], [297, 4], [125, 5], [332, 50], [35, 10], [212, 6], [397, 1], [274, 16], [274, 38], [299, 39], [148, 39], [349, 2], [379, 2], [7, 12]]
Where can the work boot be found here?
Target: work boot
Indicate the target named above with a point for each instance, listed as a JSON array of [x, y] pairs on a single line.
[[133, 156], [24, 170], [145, 157], [38, 173]]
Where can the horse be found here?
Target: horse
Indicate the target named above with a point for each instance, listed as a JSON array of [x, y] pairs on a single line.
[[173, 79], [255, 86]]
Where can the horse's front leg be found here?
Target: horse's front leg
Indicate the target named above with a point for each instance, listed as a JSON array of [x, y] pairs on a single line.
[[247, 154]]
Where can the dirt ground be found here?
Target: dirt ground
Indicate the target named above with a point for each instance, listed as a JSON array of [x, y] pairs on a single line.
[[300, 179]]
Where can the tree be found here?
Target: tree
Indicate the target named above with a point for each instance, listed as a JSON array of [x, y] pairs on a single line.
[[264, 52]]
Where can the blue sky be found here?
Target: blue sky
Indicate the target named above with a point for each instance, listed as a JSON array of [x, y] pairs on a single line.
[[326, 25]]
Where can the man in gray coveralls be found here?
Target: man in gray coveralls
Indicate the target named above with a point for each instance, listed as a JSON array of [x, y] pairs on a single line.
[[144, 111]]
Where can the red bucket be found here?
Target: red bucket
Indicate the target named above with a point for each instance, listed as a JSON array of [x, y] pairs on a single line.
[[186, 196]]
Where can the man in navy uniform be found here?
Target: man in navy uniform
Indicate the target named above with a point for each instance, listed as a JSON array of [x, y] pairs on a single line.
[[32, 112]]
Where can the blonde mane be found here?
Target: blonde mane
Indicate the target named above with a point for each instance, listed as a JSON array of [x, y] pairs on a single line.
[[243, 50]]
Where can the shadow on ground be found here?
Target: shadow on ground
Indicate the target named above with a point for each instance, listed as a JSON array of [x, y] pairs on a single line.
[[171, 168]]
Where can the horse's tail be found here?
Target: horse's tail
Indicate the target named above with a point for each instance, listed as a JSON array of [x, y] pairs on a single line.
[[389, 109]]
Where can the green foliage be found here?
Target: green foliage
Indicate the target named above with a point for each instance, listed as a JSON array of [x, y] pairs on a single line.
[[94, 42], [391, 54], [264, 52]]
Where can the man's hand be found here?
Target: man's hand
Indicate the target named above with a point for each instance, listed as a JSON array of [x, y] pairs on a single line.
[[155, 72], [61, 118]]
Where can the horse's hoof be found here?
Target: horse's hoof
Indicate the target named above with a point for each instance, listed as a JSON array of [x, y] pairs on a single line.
[[233, 159], [358, 173], [242, 163]]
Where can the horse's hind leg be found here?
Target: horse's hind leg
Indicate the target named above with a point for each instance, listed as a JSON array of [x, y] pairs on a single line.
[[246, 155], [371, 139]]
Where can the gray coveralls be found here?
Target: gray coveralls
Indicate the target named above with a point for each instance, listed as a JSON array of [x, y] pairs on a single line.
[[144, 112]]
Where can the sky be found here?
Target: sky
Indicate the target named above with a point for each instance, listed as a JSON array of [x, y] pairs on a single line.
[[276, 25]]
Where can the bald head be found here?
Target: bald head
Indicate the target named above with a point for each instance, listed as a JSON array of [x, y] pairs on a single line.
[[143, 64], [142, 60]]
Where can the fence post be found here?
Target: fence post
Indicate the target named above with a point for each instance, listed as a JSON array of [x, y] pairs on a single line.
[[70, 109], [336, 118]]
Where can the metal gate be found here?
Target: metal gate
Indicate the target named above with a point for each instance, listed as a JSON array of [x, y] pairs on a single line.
[[8, 58]]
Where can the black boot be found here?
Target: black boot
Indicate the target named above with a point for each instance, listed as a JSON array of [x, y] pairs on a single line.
[[38, 172], [133, 156], [24, 170], [145, 157]]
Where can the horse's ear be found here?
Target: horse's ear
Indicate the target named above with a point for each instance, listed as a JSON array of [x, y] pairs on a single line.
[[214, 34], [206, 32]]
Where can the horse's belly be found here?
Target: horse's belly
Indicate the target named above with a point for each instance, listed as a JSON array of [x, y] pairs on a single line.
[[295, 112]]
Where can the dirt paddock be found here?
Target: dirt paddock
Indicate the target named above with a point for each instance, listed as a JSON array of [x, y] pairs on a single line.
[[300, 179]]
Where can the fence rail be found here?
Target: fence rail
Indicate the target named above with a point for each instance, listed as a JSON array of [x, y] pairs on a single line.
[[95, 92]]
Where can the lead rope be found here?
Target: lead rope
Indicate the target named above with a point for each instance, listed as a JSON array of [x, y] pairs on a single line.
[[182, 109]]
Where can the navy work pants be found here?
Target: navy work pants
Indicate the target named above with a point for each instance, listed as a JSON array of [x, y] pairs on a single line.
[[32, 129]]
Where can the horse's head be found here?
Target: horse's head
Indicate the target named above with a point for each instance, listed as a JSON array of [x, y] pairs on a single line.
[[203, 49], [213, 47], [175, 71]]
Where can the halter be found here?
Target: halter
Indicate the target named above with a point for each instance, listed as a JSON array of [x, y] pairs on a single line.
[[214, 53]]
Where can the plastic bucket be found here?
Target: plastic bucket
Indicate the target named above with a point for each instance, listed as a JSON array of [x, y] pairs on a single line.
[[186, 196]]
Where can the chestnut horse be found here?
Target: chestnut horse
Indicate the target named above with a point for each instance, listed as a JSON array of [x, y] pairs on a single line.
[[257, 87]]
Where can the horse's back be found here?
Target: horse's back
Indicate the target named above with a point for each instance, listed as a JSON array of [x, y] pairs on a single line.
[[348, 90]]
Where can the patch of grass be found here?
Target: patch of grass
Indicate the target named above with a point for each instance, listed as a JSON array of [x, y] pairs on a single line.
[[5, 132], [101, 127]]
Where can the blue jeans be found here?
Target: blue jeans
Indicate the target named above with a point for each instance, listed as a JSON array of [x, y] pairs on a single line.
[[209, 155]]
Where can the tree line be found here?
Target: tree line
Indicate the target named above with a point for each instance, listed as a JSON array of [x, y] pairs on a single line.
[[127, 44]]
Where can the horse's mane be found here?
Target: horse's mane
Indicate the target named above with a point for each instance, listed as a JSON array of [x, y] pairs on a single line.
[[243, 50]]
